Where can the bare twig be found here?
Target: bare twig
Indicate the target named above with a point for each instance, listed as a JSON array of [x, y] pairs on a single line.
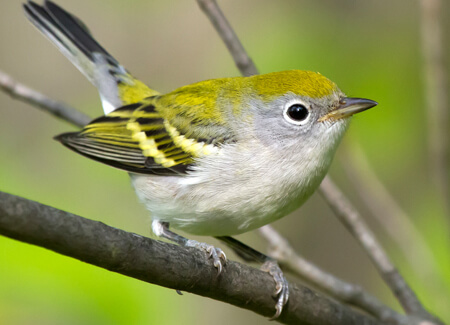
[[164, 264], [229, 37], [351, 219], [31, 96], [389, 214], [350, 293], [436, 95], [331, 193]]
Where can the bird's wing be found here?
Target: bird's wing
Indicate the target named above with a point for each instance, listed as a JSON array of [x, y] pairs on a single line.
[[150, 138]]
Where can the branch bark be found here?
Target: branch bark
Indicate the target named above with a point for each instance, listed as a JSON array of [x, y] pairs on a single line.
[[436, 96], [59, 109], [164, 264], [244, 63], [390, 215], [350, 293], [352, 220]]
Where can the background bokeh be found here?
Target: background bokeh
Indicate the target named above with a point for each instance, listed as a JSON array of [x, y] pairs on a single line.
[[369, 48]]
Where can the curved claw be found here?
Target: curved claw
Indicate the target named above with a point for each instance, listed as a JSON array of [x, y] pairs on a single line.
[[277, 313], [213, 252], [281, 285]]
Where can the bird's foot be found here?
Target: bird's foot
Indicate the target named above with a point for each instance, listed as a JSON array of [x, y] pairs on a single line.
[[281, 285], [218, 256]]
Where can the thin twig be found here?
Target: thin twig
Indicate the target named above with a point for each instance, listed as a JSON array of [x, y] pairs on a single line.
[[351, 219], [31, 96], [164, 264], [436, 96], [352, 294], [330, 192], [229, 37], [390, 215]]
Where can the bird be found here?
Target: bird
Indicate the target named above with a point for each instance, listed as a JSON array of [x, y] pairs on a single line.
[[216, 158]]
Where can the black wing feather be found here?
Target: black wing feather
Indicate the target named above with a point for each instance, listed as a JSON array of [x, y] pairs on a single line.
[[129, 159]]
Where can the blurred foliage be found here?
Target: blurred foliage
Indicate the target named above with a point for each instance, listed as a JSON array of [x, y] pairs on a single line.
[[370, 49]]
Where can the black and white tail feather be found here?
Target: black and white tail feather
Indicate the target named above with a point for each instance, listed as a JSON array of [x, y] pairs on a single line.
[[68, 33]]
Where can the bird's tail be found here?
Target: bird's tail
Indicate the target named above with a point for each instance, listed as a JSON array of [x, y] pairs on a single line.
[[116, 86]]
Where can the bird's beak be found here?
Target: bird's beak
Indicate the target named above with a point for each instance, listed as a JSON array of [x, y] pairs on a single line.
[[347, 107]]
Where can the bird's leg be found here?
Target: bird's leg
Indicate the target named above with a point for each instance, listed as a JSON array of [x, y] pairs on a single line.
[[161, 229], [269, 265]]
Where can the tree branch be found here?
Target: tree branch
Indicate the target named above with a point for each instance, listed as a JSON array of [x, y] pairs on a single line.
[[31, 96], [241, 59], [436, 96], [387, 211], [352, 220], [164, 264], [346, 292]]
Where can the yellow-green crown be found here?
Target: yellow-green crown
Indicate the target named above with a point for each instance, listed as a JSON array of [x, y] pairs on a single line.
[[303, 83]]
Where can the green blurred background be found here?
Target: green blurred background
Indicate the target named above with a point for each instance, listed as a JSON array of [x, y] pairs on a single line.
[[369, 48]]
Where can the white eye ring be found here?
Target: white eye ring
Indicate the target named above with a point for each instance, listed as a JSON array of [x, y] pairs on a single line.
[[296, 112]]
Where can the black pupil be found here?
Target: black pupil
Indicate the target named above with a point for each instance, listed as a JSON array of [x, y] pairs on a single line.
[[298, 112]]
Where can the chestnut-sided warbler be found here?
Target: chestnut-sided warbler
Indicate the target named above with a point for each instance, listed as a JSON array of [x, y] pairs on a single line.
[[219, 157]]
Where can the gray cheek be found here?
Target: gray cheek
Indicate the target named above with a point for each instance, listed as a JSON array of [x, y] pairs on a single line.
[[275, 131]]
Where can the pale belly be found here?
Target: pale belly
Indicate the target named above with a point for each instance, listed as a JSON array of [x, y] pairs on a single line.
[[222, 206]]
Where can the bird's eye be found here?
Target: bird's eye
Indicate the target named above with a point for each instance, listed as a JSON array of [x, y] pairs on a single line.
[[296, 114]]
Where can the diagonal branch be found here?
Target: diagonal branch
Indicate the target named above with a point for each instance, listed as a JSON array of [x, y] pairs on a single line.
[[346, 292], [164, 264], [352, 220], [436, 95], [31, 96], [390, 215], [242, 60]]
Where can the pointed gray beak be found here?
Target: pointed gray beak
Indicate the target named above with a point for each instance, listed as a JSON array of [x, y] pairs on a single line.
[[347, 107]]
